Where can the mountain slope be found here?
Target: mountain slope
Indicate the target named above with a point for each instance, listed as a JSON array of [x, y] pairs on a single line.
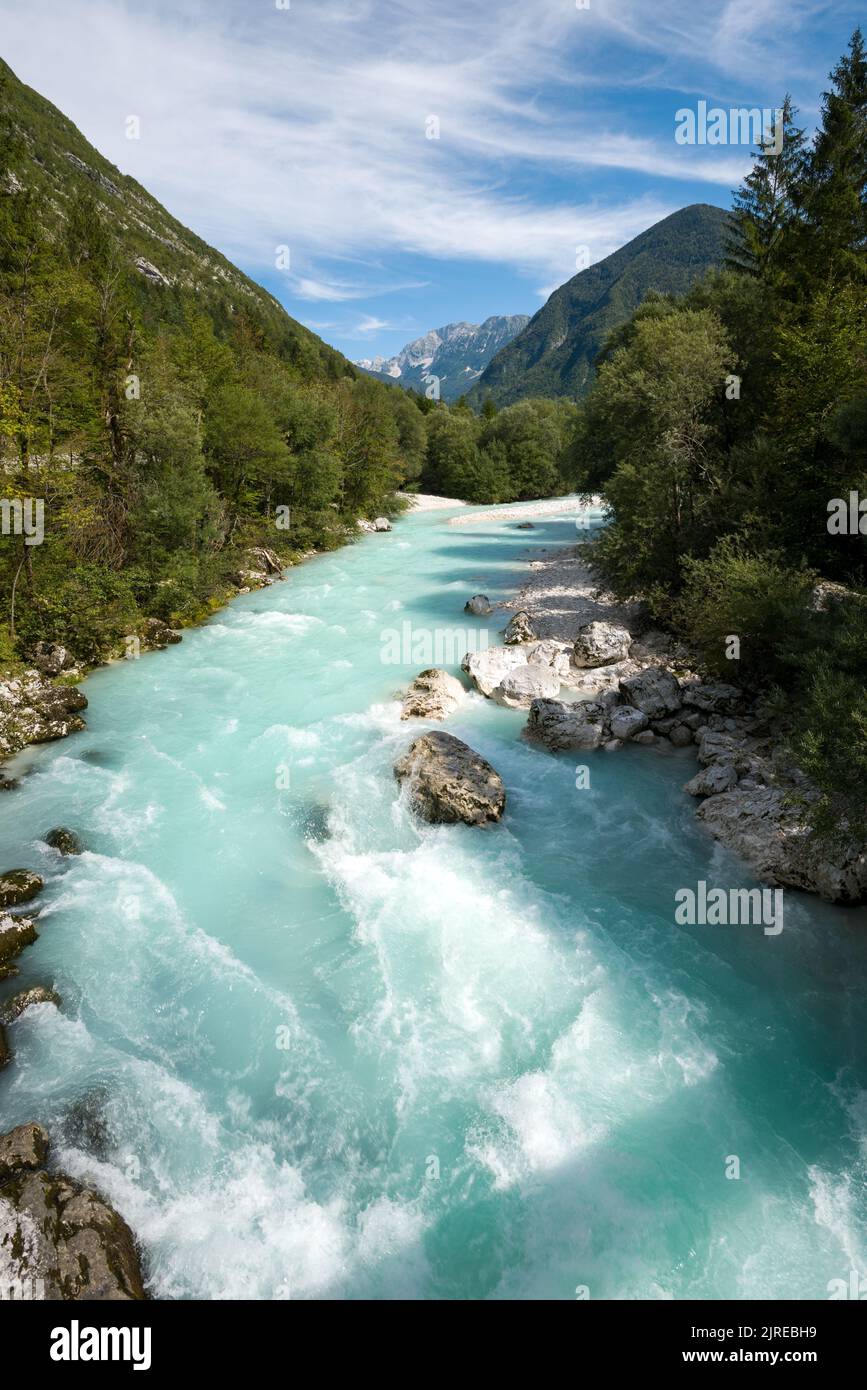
[[169, 259], [456, 354], [554, 354], [177, 432]]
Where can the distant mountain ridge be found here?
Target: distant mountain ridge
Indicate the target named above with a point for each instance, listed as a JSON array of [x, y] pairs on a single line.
[[555, 353], [456, 354]]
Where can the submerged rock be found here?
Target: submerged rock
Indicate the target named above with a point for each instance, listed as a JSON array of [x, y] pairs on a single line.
[[601, 644], [18, 886], [449, 782], [479, 605], [12, 1009], [58, 1238], [434, 694], [5, 1058], [65, 841]]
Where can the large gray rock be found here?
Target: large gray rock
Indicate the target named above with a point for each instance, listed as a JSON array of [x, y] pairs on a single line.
[[51, 658], [521, 686], [382, 523], [626, 721], [448, 782], [654, 691], [560, 726], [551, 652], [33, 710], [434, 694], [58, 1238], [760, 823], [601, 644]]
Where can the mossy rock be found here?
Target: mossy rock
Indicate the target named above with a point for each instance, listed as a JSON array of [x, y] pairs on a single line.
[[18, 886], [63, 840], [15, 934]]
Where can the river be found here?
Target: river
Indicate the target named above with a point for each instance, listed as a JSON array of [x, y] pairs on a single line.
[[311, 1048]]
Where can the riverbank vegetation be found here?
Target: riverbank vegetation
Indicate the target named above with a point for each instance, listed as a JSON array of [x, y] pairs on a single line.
[[727, 430]]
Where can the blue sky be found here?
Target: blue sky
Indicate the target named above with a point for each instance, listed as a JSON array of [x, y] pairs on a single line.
[[306, 127]]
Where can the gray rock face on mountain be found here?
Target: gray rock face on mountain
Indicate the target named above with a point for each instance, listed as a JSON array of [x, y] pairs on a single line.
[[58, 1238], [455, 355], [449, 782]]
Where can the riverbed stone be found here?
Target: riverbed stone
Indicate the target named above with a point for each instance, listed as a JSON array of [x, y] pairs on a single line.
[[12, 1009], [479, 605], [15, 934], [65, 841], [18, 886], [487, 669], [449, 782]]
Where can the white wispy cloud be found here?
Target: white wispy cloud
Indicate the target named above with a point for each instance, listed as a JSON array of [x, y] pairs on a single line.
[[307, 127]]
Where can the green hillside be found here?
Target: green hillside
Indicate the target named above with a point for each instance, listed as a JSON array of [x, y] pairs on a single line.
[[555, 353], [164, 409]]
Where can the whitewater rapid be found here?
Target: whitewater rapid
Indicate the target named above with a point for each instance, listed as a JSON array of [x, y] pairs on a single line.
[[311, 1048]]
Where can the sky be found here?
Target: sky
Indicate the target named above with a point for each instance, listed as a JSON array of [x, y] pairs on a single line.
[[385, 167]]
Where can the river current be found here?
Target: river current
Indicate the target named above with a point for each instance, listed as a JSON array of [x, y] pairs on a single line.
[[313, 1048]]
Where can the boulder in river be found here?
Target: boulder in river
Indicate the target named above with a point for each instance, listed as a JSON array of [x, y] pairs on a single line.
[[382, 523], [449, 782], [434, 694], [601, 644], [58, 1238], [65, 841], [15, 934], [479, 605], [5, 1058], [18, 886], [12, 1009]]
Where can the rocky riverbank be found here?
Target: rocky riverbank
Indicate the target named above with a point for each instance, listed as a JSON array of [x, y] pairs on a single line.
[[592, 673]]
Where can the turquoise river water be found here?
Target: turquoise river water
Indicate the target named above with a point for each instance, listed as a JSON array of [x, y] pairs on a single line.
[[312, 1048]]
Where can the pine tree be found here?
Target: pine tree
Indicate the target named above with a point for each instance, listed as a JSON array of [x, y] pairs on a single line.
[[764, 216], [834, 196]]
